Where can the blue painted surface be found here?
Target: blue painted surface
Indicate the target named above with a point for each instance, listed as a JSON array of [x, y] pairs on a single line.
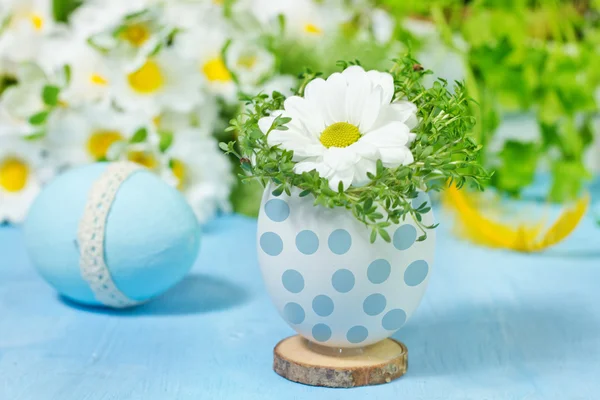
[[151, 238], [493, 325]]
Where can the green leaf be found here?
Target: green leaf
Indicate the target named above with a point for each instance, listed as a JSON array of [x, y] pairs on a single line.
[[139, 136], [384, 235], [50, 95], [165, 141], [35, 136], [39, 118]]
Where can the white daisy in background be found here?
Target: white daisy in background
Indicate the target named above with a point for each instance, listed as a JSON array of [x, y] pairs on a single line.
[[26, 26], [250, 63], [306, 19], [200, 170], [21, 101], [86, 135], [203, 45], [204, 118], [344, 124], [382, 25], [163, 81], [89, 74], [22, 174], [283, 84]]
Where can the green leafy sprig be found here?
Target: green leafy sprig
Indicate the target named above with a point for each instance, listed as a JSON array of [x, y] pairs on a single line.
[[444, 153]]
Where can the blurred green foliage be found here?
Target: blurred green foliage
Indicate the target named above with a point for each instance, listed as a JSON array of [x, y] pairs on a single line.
[[540, 56]]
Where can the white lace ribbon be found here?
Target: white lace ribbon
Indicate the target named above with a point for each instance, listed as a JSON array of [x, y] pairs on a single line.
[[90, 235]]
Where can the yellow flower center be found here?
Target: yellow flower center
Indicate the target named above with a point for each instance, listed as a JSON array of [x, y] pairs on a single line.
[[143, 158], [247, 61], [218, 2], [13, 175], [148, 79], [98, 79], [340, 134], [136, 34], [312, 29], [180, 171], [215, 70], [37, 21], [100, 141]]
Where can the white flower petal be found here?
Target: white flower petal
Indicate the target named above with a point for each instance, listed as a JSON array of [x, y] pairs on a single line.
[[360, 171], [393, 134], [305, 112], [386, 82], [302, 145], [371, 110], [345, 176], [359, 88], [312, 165], [340, 158], [395, 156], [365, 149], [335, 97]]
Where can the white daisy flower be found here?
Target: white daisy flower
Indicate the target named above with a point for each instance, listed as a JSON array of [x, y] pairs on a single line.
[[89, 74], [249, 62], [280, 83], [22, 174], [26, 26], [204, 118], [307, 19], [344, 124], [162, 81], [201, 172], [128, 31], [203, 45], [82, 136], [21, 101]]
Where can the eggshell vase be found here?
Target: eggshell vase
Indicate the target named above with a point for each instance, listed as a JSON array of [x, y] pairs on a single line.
[[151, 236], [328, 281]]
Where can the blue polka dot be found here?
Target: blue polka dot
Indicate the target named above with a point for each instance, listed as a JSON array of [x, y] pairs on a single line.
[[343, 280], [379, 271], [420, 199], [404, 237], [416, 272], [374, 304], [322, 305], [394, 319], [357, 334], [321, 332], [293, 281], [307, 242], [294, 313], [271, 243], [340, 241], [277, 210]]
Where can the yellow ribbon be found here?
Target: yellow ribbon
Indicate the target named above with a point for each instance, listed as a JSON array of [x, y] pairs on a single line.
[[473, 225]]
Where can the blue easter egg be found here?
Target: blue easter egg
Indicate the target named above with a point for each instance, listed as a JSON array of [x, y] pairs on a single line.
[[151, 236]]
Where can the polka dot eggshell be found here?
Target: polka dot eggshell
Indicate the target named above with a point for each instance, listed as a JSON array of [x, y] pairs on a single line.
[[151, 235], [329, 282]]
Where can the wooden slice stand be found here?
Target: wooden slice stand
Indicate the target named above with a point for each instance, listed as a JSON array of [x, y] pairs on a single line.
[[298, 360]]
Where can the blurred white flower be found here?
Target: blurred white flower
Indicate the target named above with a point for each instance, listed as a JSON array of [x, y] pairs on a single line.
[[280, 83], [163, 81], [22, 174], [307, 19], [204, 117], [201, 172], [89, 74], [27, 25], [383, 25], [86, 135], [250, 62], [21, 101], [207, 56]]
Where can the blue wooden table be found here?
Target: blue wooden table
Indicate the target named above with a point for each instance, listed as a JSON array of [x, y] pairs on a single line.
[[493, 325]]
